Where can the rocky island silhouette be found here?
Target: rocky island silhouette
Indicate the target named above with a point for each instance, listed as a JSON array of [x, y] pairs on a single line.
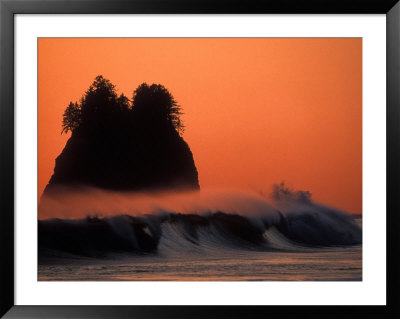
[[124, 145]]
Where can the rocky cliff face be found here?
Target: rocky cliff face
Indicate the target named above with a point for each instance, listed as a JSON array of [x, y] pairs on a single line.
[[128, 161]]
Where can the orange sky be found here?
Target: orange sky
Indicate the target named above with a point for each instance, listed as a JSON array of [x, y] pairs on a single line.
[[257, 111]]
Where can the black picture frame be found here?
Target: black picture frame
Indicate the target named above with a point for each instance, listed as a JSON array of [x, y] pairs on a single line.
[[8, 8]]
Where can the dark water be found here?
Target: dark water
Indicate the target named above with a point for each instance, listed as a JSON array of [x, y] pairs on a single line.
[[302, 246], [326, 265]]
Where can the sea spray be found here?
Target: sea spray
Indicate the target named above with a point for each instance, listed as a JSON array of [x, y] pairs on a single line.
[[95, 222]]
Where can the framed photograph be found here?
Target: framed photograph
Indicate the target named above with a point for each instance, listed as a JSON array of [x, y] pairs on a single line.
[[173, 159]]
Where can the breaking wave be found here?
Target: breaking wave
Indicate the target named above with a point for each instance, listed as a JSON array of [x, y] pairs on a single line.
[[188, 233], [192, 223]]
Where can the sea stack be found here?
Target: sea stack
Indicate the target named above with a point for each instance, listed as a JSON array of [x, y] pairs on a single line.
[[124, 145]]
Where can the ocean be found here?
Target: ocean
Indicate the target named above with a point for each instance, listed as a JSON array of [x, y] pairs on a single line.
[[211, 247]]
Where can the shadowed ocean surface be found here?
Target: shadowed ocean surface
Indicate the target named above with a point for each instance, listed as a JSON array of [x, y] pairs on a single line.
[[324, 265]]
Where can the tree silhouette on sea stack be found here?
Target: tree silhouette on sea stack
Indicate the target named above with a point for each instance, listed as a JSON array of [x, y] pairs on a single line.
[[153, 104], [122, 144]]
